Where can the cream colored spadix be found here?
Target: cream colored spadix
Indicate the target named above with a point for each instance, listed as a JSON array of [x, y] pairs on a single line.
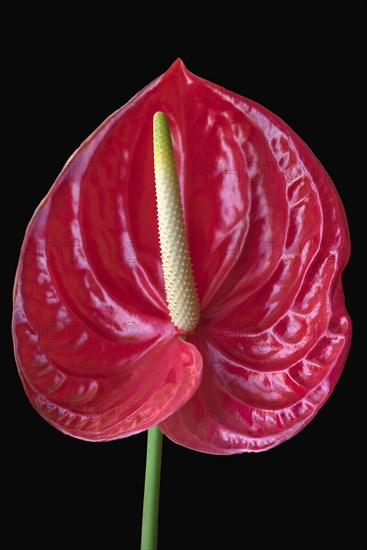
[[179, 283]]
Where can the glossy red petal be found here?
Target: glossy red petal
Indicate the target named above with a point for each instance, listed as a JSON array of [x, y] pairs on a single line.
[[268, 239], [239, 408], [94, 386], [91, 328], [276, 334]]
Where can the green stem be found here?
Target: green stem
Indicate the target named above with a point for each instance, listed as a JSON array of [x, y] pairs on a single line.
[[149, 530]]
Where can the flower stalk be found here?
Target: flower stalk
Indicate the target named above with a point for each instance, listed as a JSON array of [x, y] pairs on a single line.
[[149, 530]]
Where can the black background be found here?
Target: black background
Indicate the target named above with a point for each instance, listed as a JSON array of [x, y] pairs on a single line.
[[67, 73]]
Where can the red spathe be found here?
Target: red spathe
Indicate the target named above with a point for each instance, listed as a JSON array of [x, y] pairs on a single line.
[[96, 351]]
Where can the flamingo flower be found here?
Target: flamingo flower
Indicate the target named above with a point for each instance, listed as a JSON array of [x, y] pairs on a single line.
[[222, 319]]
